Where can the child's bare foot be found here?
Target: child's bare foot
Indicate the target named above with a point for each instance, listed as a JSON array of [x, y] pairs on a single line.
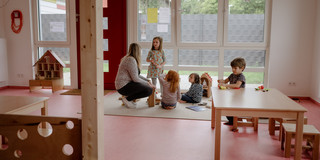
[[181, 101]]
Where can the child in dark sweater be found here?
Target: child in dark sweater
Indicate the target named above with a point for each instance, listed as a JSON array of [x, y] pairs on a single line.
[[194, 94]]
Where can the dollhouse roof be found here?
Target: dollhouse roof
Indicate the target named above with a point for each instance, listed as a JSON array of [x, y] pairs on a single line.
[[53, 58], [207, 76]]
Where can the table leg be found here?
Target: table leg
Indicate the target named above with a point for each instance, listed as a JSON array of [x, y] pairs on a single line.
[[213, 114], [255, 123], [44, 109], [1, 142], [235, 124], [299, 136], [271, 126], [315, 154], [287, 145], [217, 135], [44, 112]]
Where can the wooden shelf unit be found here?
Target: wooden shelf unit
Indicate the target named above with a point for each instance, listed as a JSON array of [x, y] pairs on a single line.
[[49, 72]]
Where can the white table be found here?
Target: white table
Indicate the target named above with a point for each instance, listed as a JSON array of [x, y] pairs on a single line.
[[23, 104], [248, 102]]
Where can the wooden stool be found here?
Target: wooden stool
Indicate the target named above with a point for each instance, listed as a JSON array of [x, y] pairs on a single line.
[[310, 133], [152, 99], [273, 126], [245, 122]]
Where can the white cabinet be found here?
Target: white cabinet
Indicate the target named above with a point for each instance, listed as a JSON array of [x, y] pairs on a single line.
[[3, 63]]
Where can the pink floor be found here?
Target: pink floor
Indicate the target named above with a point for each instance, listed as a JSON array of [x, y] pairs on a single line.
[[135, 138]]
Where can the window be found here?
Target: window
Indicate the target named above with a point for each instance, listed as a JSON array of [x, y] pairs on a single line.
[[154, 19], [205, 35], [52, 31]]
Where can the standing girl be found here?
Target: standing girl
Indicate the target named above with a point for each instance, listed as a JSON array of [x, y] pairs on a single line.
[[171, 89], [157, 60], [194, 95]]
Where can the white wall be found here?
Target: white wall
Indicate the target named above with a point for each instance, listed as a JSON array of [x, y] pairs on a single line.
[[292, 45], [3, 51], [2, 35], [19, 48], [315, 85], [3, 63]]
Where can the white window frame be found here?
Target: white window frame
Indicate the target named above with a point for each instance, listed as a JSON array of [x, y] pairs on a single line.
[[69, 43], [220, 45]]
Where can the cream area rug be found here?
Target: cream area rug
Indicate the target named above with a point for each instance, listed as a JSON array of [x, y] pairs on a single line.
[[113, 106], [78, 92]]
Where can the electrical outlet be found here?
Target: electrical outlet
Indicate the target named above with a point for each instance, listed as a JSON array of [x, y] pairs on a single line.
[[292, 83], [20, 75]]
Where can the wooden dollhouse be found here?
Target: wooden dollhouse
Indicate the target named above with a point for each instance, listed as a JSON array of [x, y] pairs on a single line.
[[49, 72], [206, 82]]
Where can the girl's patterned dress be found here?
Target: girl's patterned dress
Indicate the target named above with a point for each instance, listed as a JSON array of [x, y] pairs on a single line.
[[158, 57]]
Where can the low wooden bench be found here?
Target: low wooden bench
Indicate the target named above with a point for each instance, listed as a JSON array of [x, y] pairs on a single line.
[[310, 133], [273, 126], [245, 122]]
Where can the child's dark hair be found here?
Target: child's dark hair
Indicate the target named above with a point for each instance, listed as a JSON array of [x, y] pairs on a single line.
[[238, 62], [196, 77]]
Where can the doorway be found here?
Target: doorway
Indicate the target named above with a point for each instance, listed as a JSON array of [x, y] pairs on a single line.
[[114, 40]]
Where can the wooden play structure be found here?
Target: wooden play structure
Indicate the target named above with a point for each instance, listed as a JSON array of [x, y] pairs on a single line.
[[206, 82], [152, 99], [49, 72], [25, 137]]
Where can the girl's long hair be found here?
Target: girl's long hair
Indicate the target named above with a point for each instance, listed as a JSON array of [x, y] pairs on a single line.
[[135, 52], [160, 41], [173, 78]]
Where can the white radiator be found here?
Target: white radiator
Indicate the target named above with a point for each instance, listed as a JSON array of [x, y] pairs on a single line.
[[3, 63]]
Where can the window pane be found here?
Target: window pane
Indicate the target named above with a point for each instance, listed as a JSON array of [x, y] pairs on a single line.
[[64, 55], [199, 21], [105, 44], [154, 19], [167, 52], [105, 23], [66, 77], [52, 20], [198, 57], [253, 79], [254, 58], [105, 65], [246, 21]]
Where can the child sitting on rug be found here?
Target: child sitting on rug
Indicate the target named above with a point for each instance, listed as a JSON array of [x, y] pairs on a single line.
[[171, 89], [194, 94]]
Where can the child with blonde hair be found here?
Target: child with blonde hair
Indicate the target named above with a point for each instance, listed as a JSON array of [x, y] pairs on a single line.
[[157, 59], [171, 89]]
